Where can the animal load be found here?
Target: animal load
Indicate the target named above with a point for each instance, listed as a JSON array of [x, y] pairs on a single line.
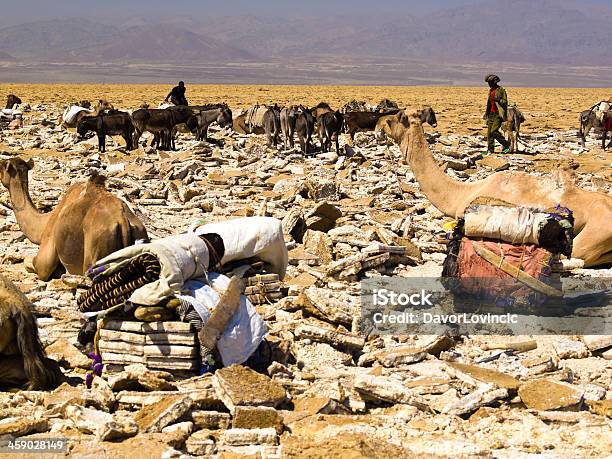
[[502, 256], [193, 319], [552, 231], [70, 114], [171, 346], [10, 113], [255, 116]]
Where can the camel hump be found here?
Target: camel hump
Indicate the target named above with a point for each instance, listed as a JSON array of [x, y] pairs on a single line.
[[97, 180]]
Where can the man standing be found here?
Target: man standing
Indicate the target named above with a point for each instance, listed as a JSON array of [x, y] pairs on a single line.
[[177, 95], [495, 115]]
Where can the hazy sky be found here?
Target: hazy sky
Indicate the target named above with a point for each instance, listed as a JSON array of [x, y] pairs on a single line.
[[31, 10], [37, 9]]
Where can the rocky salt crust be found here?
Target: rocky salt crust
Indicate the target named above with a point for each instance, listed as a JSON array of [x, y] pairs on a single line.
[[329, 392]]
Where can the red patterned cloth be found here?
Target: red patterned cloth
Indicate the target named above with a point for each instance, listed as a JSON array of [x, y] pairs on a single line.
[[492, 105], [481, 278], [608, 121]]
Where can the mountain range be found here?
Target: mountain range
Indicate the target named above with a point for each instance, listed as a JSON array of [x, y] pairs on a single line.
[[534, 32]]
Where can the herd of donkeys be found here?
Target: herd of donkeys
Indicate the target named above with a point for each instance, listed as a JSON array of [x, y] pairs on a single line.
[[272, 120]]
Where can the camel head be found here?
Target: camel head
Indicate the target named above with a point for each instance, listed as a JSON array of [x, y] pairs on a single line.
[[15, 168], [103, 104], [84, 103], [394, 126]]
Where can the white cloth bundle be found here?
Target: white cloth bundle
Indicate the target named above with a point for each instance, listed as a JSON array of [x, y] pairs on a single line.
[[71, 112], [10, 113], [601, 109], [255, 116], [182, 257], [245, 331], [260, 237], [509, 224]]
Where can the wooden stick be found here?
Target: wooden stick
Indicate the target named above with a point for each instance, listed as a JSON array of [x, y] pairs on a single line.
[[516, 272], [522, 346]]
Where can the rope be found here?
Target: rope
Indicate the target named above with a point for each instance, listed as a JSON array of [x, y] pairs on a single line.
[[97, 366]]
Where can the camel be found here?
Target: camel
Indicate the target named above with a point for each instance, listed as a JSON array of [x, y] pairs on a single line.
[[592, 210], [23, 362], [87, 224], [99, 107]]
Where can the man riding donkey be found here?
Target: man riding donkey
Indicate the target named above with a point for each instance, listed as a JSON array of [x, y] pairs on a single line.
[[495, 115], [177, 95]]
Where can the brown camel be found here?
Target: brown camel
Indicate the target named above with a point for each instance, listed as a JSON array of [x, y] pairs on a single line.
[[87, 224], [592, 210], [23, 362], [99, 107]]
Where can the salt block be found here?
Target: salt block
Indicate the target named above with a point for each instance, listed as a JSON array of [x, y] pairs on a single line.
[[255, 417], [111, 335], [550, 395], [240, 386], [154, 417], [170, 350], [486, 375], [239, 437]]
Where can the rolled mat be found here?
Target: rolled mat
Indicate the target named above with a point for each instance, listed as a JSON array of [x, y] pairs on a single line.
[[116, 288]]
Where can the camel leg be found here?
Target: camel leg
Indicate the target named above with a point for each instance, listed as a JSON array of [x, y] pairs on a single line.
[[46, 260], [92, 252]]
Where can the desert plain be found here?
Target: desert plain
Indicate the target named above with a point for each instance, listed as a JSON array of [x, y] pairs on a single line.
[[392, 395]]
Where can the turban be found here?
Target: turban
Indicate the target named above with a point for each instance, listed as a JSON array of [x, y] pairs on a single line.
[[491, 78]]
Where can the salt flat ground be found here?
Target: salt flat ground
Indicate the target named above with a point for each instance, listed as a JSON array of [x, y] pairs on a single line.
[[380, 193], [459, 109]]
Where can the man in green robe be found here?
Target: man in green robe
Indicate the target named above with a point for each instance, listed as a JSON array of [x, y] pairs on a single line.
[[495, 115]]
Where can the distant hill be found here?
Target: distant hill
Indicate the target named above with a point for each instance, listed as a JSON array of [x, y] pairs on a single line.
[[53, 38], [79, 39], [6, 57], [535, 32], [521, 31], [162, 43]]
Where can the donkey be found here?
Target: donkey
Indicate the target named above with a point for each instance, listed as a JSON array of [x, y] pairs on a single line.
[[208, 114], [512, 126], [271, 122], [288, 117], [330, 125], [589, 120], [12, 100], [304, 126], [159, 122], [115, 123]]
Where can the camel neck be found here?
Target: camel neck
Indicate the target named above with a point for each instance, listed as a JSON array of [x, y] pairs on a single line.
[[447, 194], [31, 221]]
